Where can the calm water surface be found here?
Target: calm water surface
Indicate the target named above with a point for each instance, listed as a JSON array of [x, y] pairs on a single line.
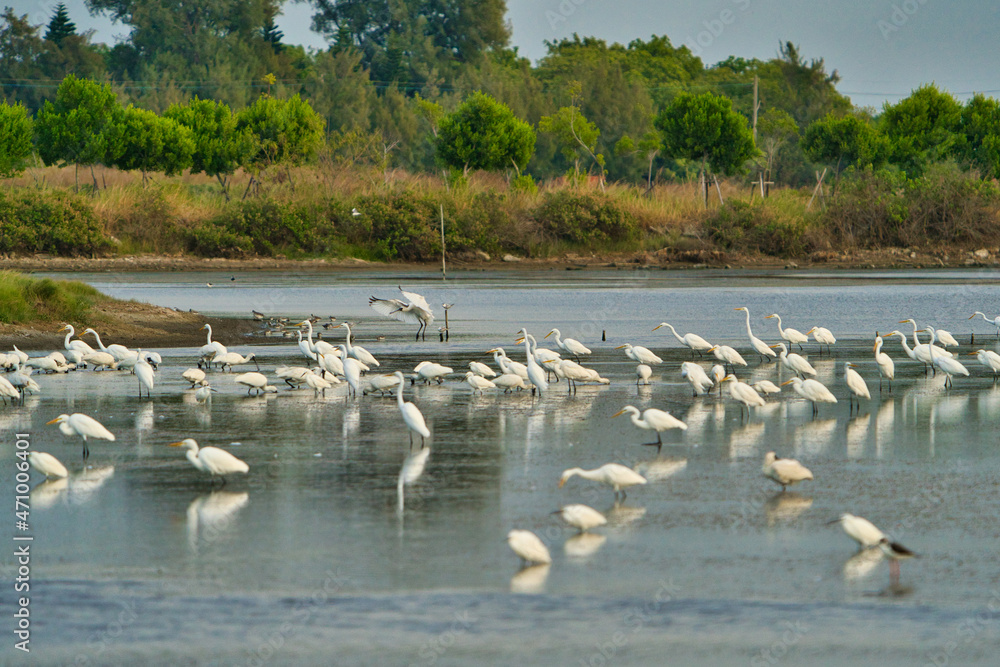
[[345, 546]]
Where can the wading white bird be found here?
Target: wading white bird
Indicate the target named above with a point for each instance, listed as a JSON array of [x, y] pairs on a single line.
[[203, 393], [508, 365], [144, 373], [642, 374], [886, 367], [528, 547], [760, 347], [795, 362], [214, 461], [786, 472], [948, 365], [925, 358], [117, 351], [427, 370], [352, 371], [989, 359], [83, 426], [923, 349], [718, 374], [99, 360], [415, 310], [860, 530], [640, 354], [356, 351], [316, 347], [766, 387], [581, 517], [652, 420], [47, 464], [255, 382], [478, 383], [895, 552], [509, 382], [744, 393], [856, 384], [569, 345], [231, 359], [995, 321], [536, 375], [210, 348], [411, 414], [194, 375], [811, 390], [823, 336], [78, 345], [793, 336], [690, 340], [482, 369], [615, 475], [381, 384], [697, 377], [728, 355]]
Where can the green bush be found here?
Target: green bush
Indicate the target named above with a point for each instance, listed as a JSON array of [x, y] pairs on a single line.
[[586, 219], [402, 226], [26, 299], [50, 221], [741, 227]]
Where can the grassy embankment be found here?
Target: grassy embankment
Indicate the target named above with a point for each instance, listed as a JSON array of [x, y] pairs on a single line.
[[43, 301], [311, 216]]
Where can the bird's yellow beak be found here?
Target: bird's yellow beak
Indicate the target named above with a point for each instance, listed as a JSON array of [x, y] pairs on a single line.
[[904, 321], [620, 347], [775, 346], [547, 335], [971, 316], [561, 482], [972, 354], [768, 317], [657, 327], [175, 444], [519, 341], [787, 382], [303, 323], [54, 421], [810, 331], [618, 414], [713, 348]]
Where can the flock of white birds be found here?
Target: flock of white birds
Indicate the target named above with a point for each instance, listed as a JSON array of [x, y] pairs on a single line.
[[329, 365]]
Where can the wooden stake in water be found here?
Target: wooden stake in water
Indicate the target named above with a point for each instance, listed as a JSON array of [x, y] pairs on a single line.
[[444, 272]]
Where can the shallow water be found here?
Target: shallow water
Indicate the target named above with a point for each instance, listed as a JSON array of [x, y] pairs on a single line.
[[321, 550]]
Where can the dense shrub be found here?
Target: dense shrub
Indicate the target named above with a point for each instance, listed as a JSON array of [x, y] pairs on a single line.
[[741, 227], [584, 218], [58, 223], [25, 299], [402, 226]]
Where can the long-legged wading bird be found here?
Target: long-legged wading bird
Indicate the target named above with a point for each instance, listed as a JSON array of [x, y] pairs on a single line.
[[895, 552], [857, 385], [793, 336], [643, 373], [860, 530], [995, 321], [785, 472], [569, 345], [581, 517], [744, 394], [640, 354], [948, 365], [989, 360], [214, 461], [83, 426], [696, 377], [411, 414], [652, 420], [823, 336], [615, 475], [415, 310], [690, 340], [795, 362], [356, 351], [811, 390], [47, 464], [760, 347], [886, 367], [255, 381], [536, 374], [528, 547]]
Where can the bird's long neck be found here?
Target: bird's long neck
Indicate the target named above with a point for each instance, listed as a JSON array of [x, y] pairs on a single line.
[[310, 325], [902, 339], [590, 474], [208, 336], [749, 332], [916, 340], [348, 328], [97, 337], [931, 344], [634, 416], [780, 330], [399, 393], [527, 349], [674, 332], [68, 336]]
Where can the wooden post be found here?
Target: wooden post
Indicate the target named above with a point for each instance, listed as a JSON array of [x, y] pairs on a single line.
[[818, 188], [444, 271], [718, 189]]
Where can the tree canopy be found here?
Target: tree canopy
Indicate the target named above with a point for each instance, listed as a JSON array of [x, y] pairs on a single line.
[[484, 134], [706, 129]]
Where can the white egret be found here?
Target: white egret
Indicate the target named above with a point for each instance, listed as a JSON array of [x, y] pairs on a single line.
[[194, 375], [411, 414], [793, 336], [536, 375], [47, 464], [305, 347], [203, 393], [478, 382], [78, 344], [795, 362], [211, 347], [542, 355], [923, 358], [652, 420], [83, 426], [428, 370], [508, 365], [856, 384], [21, 380], [823, 336], [989, 359], [352, 370], [482, 369], [886, 367], [569, 345], [528, 547], [7, 390], [415, 310], [581, 517], [319, 346], [860, 530], [115, 350], [766, 387], [895, 552], [144, 373], [744, 393], [922, 349], [332, 363], [718, 374], [642, 374], [786, 472], [356, 351], [100, 360], [381, 384], [696, 376], [317, 383], [690, 340], [948, 365], [509, 382], [214, 461], [811, 390], [995, 321], [49, 364], [615, 475], [728, 355], [759, 346], [294, 376], [255, 381], [640, 354], [574, 373]]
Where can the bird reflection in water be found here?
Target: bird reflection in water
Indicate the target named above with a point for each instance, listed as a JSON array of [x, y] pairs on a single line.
[[857, 435], [413, 468], [211, 515], [83, 486], [583, 545], [785, 506], [530, 580], [49, 493], [620, 515], [862, 564]]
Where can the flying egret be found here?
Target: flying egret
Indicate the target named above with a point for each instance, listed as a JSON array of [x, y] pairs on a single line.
[[856, 384], [795, 362], [728, 355], [895, 552], [886, 367], [482, 369], [569, 345], [411, 414], [255, 381], [47, 464], [860, 530], [83, 426], [214, 461], [744, 393], [478, 383], [811, 390], [823, 336], [640, 354], [615, 475], [117, 351], [536, 375], [78, 344], [528, 547], [690, 340], [760, 347], [356, 351], [989, 359], [696, 376], [786, 472], [642, 374], [995, 321], [415, 310], [581, 517], [793, 336], [652, 420], [948, 365]]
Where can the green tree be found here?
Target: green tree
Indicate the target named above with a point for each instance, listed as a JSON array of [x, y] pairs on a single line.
[[705, 128], [15, 139], [980, 127], [219, 148], [775, 128], [922, 128], [138, 139], [649, 147], [71, 130], [284, 132], [60, 26], [576, 136], [843, 141], [484, 134]]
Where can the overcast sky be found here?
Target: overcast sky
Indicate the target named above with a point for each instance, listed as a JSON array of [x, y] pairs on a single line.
[[882, 48]]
